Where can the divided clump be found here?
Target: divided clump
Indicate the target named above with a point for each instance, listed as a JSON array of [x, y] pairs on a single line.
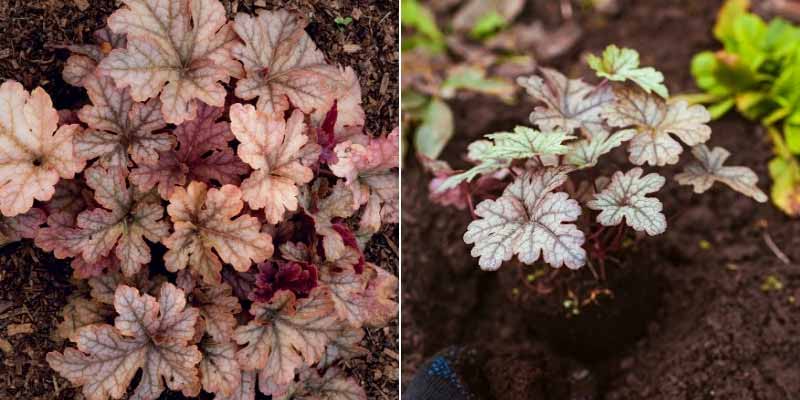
[[555, 205], [263, 211]]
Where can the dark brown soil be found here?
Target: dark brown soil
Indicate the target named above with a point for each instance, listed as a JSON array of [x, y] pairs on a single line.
[[34, 287], [712, 330]]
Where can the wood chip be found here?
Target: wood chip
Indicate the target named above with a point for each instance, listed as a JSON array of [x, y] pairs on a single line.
[[82, 5], [17, 329], [356, 14], [6, 346], [351, 48], [390, 353]]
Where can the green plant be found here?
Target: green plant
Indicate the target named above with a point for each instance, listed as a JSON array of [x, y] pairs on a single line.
[[432, 76], [758, 73]]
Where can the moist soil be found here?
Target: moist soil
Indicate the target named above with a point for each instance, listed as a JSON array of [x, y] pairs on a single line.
[[34, 286], [706, 310]]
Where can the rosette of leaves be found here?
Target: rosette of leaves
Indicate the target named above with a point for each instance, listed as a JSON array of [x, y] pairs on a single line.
[[756, 72], [546, 209], [159, 132]]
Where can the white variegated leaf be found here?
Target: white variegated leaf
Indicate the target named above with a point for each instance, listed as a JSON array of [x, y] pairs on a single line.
[[708, 168], [653, 120], [569, 104], [626, 197], [531, 221]]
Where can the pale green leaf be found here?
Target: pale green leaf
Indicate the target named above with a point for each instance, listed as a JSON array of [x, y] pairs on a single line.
[[621, 64], [435, 130], [525, 142], [496, 154], [586, 152]]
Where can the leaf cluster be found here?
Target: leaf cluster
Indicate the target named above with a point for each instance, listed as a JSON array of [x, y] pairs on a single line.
[[756, 72], [261, 209], [545, 195]]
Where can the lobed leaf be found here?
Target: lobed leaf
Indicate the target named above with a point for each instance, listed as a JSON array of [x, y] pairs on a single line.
[[708, 168], [219, 370], [283, 65], [370, 175], [349, 113], [218, 308], [285, 335], [333, 385], [347, 292], [34, 151], [344, 346], [180, 48], [272, 147], [523, 143], [587, 152], [22, 226], [149, 335], [80, 312], [338, 204], [83, 62], [123, 221], [653, 120], [203, 221], [623, 64], [569, 104], [246, 389], [529, 220], [203, 155], [626, 197], [118, 127]]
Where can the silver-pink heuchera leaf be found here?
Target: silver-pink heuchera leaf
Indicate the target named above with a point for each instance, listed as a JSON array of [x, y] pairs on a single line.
[[283, 65], [147, 334], [626, 197], [708, 168], [569, 104], [118, 127], [653, 120], [178, 48], [529, 220]]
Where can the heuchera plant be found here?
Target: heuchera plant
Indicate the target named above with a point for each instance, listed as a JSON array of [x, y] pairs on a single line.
[[543, 193], [263, 210]]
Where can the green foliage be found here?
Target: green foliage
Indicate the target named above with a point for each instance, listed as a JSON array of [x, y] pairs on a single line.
[[623, 64], [418, 17], [489, 24], [343, 21], [435, 129], [474, 79], [758, 73]]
